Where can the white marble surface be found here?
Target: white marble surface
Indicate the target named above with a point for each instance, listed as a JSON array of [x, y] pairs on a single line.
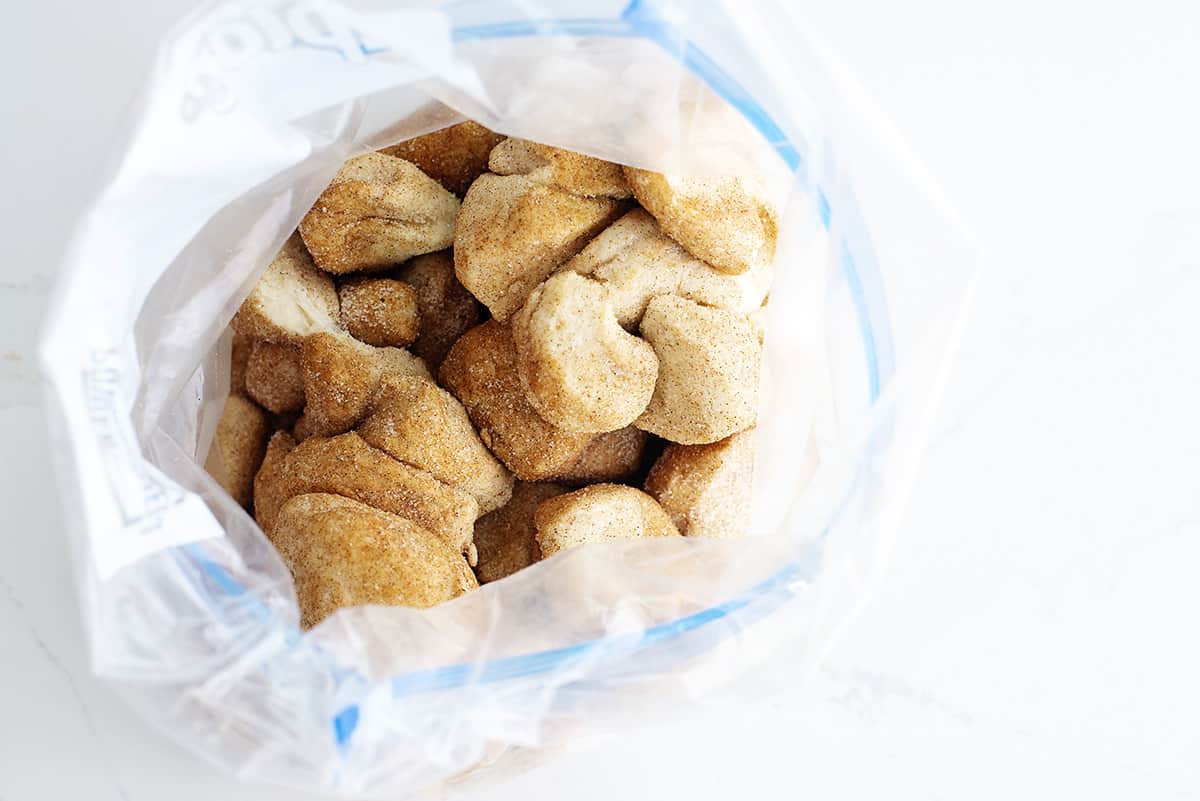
[[1036, 635]]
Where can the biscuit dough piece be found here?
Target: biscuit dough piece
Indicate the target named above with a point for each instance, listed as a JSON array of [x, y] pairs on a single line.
[[725, 221], [453, 156], [347, 466], [447, 309], [419, 423], [481, 371], [563, 169], [238, 447], [274, 377], [343, 553], [269, 485], [239, 356], [706, 488], [514, 231], [707, 375], [507, 537], [599, 513], [636, 262], [581, 371], [613, 456], [341, 375], [291, 300], [380, 311], [378, 211]]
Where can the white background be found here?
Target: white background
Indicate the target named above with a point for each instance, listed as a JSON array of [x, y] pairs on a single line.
[[1036, 636]]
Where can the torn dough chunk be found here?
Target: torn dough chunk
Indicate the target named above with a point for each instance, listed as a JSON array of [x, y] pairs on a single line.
[[706, 488], [274, 377], [637, 262], [599, 513], [514, 231], [237, 450], [481, 371], [453, 156], [346, 465], [581, 371], [341, 375], [343, 553], [724, 220], [378, 211], [446, 309], [291, 300], [507, 538], [421, 424], [380, 311], [708, 370], [562, 169], [613, 456]]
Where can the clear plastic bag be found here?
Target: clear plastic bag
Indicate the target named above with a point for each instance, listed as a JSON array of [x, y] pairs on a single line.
[[252, 108]]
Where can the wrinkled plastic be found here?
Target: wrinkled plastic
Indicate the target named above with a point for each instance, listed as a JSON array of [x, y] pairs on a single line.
[[251, 109]]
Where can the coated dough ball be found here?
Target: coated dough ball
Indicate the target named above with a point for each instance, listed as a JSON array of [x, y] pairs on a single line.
[[481, 371], [725, 221], [274, 377], [708, 371], [380, 311], [563, 169], [636, 262], [613, 456], [514, 231], [447, 309], [421, 424], [291, 300], [239, 357], [599, 513], [507, 538], [238, 447], [581, 371], [347, 466], [341, 376], [378, 211], [706, 488], [453, 156], [343, 553]]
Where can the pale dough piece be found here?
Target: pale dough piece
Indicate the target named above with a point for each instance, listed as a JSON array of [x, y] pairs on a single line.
[[453, 156], [291, 300], [514, 231], [599, 513], [708, 371], [706, 488], [380, 311], [481, 371], [378, 211], [447, 309], [581, 371], [613, 456], [274, 378], [345, 465], [507, 537], [343, 553], [341, 375], [637, 262], [725, 221], [238, 447], [563, 169], [421, 424]]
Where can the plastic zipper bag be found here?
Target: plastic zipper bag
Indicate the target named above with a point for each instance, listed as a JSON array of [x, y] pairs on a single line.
[[251, 109]]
